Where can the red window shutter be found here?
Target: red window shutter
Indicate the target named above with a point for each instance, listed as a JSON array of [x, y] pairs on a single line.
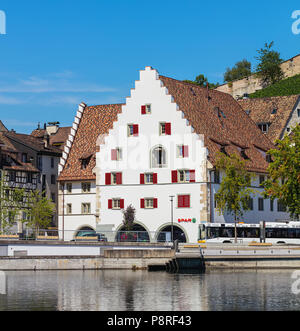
[[143, 110], [114, 155], [168, 129], [107, 179], [119, 178], [110, 204], [185, 151], [142, 179], [142, 203], [192, 176], [187, 201], [174, 176], [154, 178], [155, 203], [180, 201], [122, 203], [135, 130]]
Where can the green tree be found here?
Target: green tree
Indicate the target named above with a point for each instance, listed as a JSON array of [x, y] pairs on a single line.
[[40, 211], [240, 70], [129, 217], [284, 173], [269, 66], [201, 80], [235, 192], [11, 203]]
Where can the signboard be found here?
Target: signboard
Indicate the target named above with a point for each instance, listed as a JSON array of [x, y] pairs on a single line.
[[187, 220]]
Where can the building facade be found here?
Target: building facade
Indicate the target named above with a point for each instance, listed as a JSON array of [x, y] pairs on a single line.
[[160, 146]]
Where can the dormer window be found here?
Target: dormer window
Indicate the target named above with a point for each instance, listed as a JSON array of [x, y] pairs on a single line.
[[264, 127], [274, 111]]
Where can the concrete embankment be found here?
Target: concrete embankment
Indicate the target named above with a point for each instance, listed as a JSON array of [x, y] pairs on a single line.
[[111, 259]]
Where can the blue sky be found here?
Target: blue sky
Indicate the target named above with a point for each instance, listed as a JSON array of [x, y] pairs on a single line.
[[58, 53]]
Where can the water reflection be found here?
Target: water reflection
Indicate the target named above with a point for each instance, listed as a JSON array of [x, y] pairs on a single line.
[[143, 291]]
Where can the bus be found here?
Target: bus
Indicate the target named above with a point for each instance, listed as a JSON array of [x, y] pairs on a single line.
[[275, 233]]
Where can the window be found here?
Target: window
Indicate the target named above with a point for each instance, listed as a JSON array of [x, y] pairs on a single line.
[[148, 178], [217, 177], [149, 203], [69, 187], [182, 151], [281, 207], [29, 177], [85, 208], [86, 187], [40, 163], [69, 208], [53, 197], [164, 129], [298, 112], [116, 204], [250, 203], [53, 179], [261, 179], [184, 201], [183, 176], [24, 157], [271, 205], [133, 130], [84, 163], [146, 109], [158, 158], [114, 178], [260, 204], [264, 127], [52, 162], [116, 154]]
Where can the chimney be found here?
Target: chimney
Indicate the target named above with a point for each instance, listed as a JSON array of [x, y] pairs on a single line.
[[46, 140], [52, 128]]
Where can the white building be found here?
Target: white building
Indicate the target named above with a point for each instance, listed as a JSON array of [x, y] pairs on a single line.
[[163, 142]]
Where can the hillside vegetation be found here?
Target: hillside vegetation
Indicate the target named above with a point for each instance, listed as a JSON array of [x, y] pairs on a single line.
[[289, 86]]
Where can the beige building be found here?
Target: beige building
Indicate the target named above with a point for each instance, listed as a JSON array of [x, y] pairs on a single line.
[[251, 84]]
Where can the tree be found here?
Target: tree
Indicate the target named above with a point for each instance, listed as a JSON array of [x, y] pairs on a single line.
[[11, 204], [129, 217], [269, 66], [240, 70], [235, 192], [284, 173], [40, 211], [201, 80]]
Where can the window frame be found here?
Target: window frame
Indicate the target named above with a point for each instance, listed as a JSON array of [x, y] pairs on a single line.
[[86, 187], [184, 195], [88, 205]]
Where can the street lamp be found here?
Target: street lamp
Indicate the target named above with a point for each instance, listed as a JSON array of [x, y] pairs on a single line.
[[172, 218]]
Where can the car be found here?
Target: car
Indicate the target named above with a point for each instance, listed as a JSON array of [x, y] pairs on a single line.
[[92, 234]]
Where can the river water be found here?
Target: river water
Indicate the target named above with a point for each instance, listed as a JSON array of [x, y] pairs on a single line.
[[143, 291]]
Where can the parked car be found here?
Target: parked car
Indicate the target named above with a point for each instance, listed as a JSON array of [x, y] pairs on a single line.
[[92, 234]]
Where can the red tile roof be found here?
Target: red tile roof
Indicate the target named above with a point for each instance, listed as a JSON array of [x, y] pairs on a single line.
[[261, 112], [96, 120], [221, 120]]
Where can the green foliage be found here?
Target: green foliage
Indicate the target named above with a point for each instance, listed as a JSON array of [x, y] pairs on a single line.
[[129, 217], [201, 80], [269, 69], [240, 70], [284, 173], [235, 192], [289, 86], [40, 211]]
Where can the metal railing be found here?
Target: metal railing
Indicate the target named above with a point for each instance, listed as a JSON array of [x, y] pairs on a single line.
[[88, 236]]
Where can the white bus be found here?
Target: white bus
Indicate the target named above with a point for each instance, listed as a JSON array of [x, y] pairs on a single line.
[[275, 233]]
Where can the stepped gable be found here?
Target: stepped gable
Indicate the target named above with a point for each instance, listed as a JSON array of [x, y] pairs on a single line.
[[261, 111], [95, 120], [222, 121]]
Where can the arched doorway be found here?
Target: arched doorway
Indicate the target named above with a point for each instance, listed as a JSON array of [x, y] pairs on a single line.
[[137, 234], [165, 234]]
